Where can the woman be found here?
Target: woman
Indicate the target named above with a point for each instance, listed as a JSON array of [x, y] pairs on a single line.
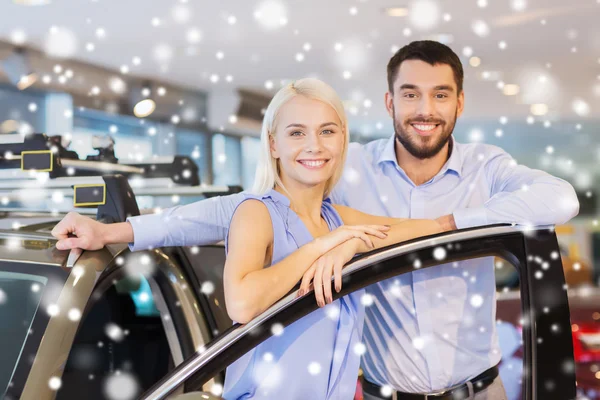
[[287, 231]]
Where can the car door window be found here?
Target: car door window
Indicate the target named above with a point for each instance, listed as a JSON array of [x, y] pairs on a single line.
[[208, 264], [121, 347], [456, 272], [457, 294]]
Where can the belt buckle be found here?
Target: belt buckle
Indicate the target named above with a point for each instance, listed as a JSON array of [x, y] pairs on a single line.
[[433, 395], [443, 392]]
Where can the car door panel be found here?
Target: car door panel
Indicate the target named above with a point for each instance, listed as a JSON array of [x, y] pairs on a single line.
[[548, 373]]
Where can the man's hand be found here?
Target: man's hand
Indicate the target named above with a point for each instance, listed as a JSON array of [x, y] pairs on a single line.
[[447, 222], [87, 233]]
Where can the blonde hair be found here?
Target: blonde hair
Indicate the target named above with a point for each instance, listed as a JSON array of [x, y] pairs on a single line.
[[267, 171]]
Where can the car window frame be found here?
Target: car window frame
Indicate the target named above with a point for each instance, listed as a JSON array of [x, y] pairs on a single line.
[[158, 280], [517, 245], [56, 276]]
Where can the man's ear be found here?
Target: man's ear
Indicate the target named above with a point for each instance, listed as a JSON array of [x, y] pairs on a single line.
[[460, 106], [389, 103]]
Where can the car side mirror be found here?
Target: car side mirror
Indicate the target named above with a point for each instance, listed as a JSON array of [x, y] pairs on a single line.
[[197, 396]]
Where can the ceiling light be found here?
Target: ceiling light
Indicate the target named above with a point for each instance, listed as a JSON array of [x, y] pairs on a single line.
[[144, 108], [31, 2], [397, 11], [539, 109], [475, 61], [144, 103], [510, 90]]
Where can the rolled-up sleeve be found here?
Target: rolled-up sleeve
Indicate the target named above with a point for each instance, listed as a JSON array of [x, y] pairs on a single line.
[[470, 217], [521, 195], [200, 223]]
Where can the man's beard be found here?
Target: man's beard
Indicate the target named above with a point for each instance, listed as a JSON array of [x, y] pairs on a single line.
[[423, 147]]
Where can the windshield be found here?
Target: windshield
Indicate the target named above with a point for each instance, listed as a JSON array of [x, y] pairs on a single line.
[[26, 292]]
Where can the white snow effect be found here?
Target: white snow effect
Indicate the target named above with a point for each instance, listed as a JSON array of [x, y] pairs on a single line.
[[60, 43], [332, 311], [418, 343], [181, 14], [55, 383], [367, 300], [217, 389], [476, 300], [480, 28], [314, 368], [360, 349], [114, 332], [267, 375], [518, 5], [352, 176], [386, 390], [163, 53], [207, 288], [424, 14], [74, 314], [53, 310], [121, 386], [476, 135], [277, 329], [18, 37], [193, 35], [271, 14], [580, 107], [439, 253]]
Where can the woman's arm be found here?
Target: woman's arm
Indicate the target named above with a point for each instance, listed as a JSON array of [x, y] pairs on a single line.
[[331, 263], [250, 288]]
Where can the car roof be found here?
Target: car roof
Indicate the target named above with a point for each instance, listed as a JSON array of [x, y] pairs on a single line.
[[25, 237], [31, 247]]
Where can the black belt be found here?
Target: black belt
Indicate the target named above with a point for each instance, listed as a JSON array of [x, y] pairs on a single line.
[[479, 383]]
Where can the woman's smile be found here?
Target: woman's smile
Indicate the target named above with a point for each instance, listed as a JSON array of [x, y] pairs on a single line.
[[313, 163]]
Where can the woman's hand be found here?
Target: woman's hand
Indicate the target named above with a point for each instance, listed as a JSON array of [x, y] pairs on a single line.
[[328, 265], [344, 233], [89, 234]]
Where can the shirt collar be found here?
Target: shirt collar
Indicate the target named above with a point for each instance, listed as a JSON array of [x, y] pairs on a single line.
[[454, 163]]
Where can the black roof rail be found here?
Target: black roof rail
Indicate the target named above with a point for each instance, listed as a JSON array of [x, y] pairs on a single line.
[[120, 201], [42, 153]]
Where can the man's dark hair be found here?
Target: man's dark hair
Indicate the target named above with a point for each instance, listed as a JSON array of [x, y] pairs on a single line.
[[432, 53]]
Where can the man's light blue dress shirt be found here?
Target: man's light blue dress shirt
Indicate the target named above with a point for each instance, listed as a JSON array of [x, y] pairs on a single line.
[[432, 328]]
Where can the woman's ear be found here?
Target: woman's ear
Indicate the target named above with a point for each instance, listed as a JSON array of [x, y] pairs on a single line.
[[274, 153]]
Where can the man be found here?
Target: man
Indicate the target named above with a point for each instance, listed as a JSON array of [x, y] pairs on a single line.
[[420, 330]]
